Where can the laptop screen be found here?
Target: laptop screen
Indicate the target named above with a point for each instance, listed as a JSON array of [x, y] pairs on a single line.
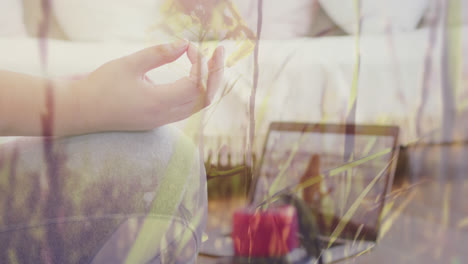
[[355, 163]]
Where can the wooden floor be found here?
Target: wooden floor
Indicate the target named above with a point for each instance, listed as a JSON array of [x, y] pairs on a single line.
[[428, 222]]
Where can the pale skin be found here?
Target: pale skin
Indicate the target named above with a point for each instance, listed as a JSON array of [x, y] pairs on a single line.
[[115, 97]]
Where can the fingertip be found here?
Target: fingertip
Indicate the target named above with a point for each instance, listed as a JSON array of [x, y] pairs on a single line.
[[192, 53], [220, 57], [152, 57], [216, 62], [220, 52], [180, 44]]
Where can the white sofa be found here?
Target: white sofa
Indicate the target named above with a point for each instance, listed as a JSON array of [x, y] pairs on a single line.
[[301, 79], [306, 79]]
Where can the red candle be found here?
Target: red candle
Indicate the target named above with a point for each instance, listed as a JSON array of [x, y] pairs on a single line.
[[265, 233]]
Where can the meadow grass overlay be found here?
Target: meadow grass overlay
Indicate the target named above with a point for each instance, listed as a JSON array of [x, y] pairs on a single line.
[[454, 38], [178, 19]]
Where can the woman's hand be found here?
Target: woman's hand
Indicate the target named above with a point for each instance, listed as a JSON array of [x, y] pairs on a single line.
[[119, 96], [115, 97]]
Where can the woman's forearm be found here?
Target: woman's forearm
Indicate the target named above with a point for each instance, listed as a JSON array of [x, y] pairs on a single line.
[[23, 103]]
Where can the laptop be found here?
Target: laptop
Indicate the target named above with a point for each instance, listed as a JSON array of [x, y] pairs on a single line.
[[356, 164]]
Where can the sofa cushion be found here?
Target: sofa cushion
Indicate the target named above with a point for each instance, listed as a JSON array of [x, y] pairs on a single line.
[[281, 19], [104, 19], [140, 19], [34, 16], [377, 15], [436, 12], [11, 18]]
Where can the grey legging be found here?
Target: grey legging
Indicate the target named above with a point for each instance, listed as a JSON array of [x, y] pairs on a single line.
[[102, 198]]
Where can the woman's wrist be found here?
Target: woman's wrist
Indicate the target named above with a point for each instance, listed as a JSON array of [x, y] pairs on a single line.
[[37, 106], [71, 115]]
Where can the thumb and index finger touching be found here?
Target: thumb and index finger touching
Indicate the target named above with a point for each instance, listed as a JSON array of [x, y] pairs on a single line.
[[202, 74], [152, 57]]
